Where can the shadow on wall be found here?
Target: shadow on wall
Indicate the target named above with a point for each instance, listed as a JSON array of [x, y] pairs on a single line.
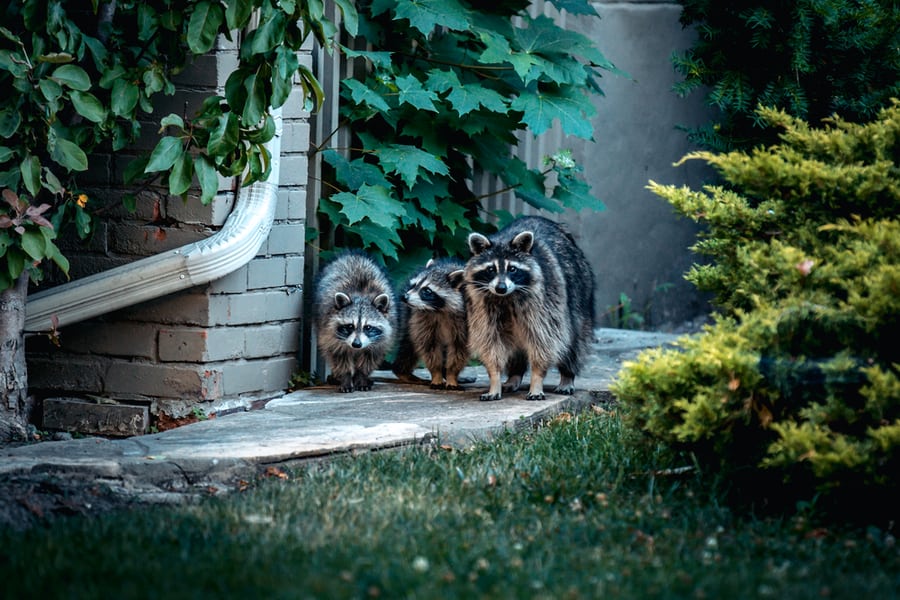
[[639, 246]]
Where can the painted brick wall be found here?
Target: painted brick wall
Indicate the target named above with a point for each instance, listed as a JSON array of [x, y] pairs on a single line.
[[217, 346]]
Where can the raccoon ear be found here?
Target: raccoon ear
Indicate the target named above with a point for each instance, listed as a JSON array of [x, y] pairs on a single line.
[[478, 243], [341, 300], [456, 278], [429, 263], [382, 302], [523, 242]]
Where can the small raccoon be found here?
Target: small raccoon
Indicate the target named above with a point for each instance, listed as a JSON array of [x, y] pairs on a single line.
[[436, 327], [531, 300], [356, 316]]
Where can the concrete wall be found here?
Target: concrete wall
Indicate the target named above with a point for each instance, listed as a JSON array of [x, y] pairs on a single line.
[[638, 246], [216, 346]]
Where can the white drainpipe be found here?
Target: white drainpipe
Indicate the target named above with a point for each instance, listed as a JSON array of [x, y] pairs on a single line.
[[230, 248]]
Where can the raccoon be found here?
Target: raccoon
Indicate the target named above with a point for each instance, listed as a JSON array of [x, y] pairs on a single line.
[[531, 300], [356, 316], [436, 327]]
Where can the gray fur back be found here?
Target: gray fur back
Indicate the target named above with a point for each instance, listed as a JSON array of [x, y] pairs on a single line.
[[549, 317]]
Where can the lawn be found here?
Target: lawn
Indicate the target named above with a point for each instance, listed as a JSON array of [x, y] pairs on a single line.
[[571, 510]]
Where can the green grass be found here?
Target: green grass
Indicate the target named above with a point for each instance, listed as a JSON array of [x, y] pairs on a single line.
[[568, 511]]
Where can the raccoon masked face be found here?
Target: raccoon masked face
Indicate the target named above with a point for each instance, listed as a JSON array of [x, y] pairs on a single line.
[[357, 324], [357, 333], [422, 296], [502, 276]]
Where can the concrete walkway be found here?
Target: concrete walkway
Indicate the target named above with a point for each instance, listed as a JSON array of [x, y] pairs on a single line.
[[212, 455]]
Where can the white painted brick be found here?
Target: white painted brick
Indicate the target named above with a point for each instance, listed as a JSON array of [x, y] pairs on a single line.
[[287, 238], [261, 341], [169, 380], [266, 273]]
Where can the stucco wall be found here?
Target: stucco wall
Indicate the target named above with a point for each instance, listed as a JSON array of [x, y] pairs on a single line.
[[638, 246]]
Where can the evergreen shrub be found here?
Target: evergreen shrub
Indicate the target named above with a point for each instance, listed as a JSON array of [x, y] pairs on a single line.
[[811, 58], [798, 380]]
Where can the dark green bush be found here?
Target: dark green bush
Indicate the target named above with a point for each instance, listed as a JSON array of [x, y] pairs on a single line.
[[811, 58], [799, 378]]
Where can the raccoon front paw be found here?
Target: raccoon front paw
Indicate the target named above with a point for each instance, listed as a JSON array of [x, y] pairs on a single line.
[[454, 388], [363, 385], [437, 386], [488, 397], [345, 388], [538, 396], [566, 390]]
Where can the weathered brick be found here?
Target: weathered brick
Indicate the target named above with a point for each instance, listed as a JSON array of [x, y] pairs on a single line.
[[246, 308], [73, 414], [287, 238], [191, 307], [261, 341], [294, 169], [170, 380], [284, 306], [296, 136], [147, 240], [259, 375], [290, 337], [266, 273], [233, 283], [291, 205], [84, 265], [113, 338], [295, 107], [294, 270], [81, 374], [200, 344], [192, 211]]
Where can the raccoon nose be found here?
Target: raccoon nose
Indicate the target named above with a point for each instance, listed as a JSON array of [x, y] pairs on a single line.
[[356, 343], [501, 288]]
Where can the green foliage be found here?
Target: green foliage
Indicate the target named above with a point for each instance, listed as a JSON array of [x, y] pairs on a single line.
[[79, 79], [445, 88], [799, 376], [811, 58]]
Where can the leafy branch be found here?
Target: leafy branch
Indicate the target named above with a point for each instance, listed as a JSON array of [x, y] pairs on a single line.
[[447, 86]]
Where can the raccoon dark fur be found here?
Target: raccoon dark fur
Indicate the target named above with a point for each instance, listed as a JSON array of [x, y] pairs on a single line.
[[356, 317], [436, 326], [530, 293]]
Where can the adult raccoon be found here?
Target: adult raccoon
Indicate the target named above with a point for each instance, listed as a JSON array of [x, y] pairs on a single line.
[[356, 316], [531, 300], [436, 326]]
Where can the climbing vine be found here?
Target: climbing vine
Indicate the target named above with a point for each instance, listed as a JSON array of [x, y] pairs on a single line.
[[447, 84]]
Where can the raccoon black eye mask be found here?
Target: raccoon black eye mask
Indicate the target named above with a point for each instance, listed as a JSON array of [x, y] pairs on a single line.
[[356, 316], [436, 331], [530, 302]]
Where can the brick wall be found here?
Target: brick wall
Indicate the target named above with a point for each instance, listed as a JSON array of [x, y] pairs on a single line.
[[217, 346]]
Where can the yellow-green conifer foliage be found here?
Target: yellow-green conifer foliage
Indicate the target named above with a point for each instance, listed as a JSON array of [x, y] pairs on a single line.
[[800, 374]]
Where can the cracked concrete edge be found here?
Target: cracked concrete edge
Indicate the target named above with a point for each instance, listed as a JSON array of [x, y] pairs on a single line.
[[167, 481]]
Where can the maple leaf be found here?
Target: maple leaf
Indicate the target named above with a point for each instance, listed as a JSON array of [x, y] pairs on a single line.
[[412, 92], [406, 161], [361, 94], [568, 105], [425, 15], [373, 202]]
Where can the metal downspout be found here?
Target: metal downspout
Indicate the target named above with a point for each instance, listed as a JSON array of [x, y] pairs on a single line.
[[230, 248]]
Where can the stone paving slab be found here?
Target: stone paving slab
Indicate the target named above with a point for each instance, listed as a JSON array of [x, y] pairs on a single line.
[[315, 422]]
